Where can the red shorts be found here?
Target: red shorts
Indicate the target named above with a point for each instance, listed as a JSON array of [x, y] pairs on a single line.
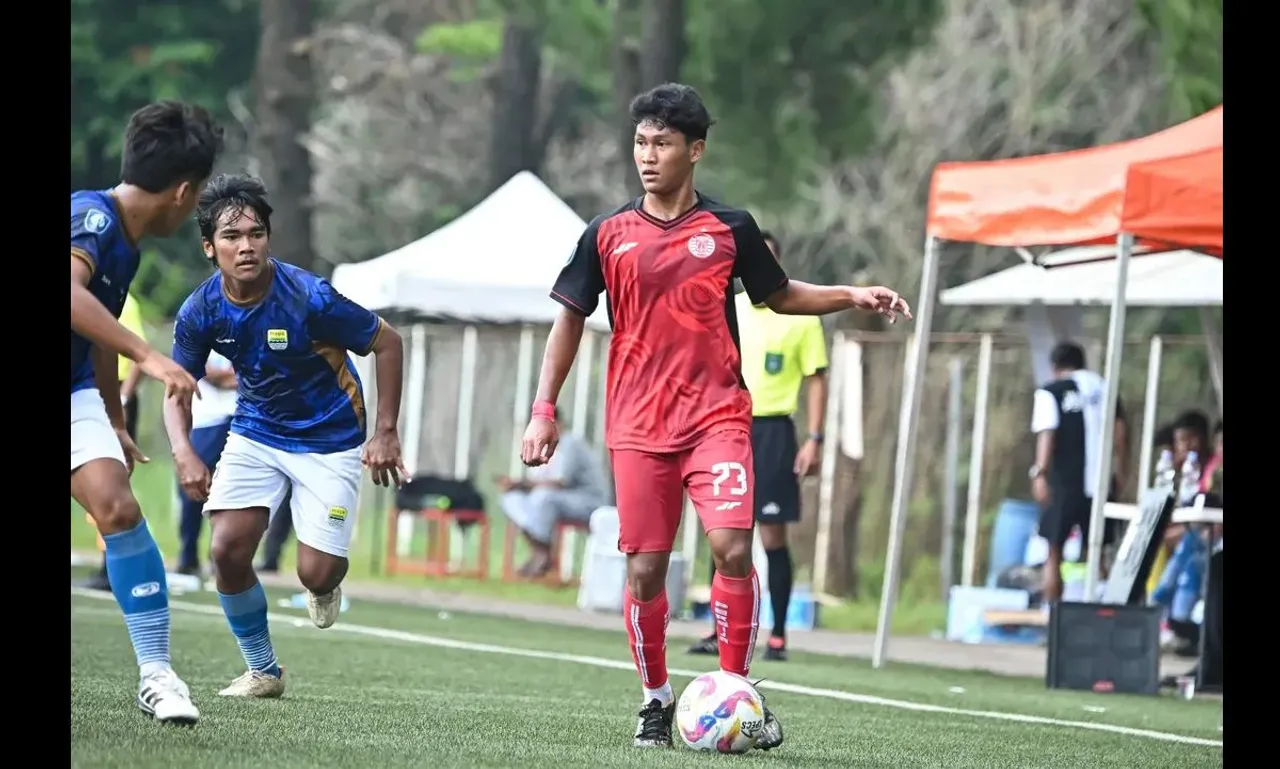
[[650, 490]]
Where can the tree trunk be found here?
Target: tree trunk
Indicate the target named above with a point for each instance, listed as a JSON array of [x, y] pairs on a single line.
[[664, 44], [661, 24], [626, 84], [285, 92], [515, 143]]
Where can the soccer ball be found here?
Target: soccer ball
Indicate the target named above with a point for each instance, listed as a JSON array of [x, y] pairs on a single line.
[[720, 712]]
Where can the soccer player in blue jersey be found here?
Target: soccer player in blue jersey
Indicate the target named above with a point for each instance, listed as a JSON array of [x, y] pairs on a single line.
[[299, 421], [169, 152]]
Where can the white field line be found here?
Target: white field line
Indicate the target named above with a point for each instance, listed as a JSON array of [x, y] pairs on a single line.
[[600, 662]]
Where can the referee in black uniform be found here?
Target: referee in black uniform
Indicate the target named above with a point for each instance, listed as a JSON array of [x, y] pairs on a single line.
[[1067, 421], [779, 354]]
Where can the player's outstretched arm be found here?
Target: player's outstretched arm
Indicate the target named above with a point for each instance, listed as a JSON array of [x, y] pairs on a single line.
[[799, 298], [542, 436], [91, 320]]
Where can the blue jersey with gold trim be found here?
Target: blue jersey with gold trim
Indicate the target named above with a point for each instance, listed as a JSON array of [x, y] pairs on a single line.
[[99, 240], [298, 388]]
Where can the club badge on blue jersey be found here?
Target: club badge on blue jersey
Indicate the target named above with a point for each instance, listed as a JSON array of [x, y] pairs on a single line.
[[277, 339]]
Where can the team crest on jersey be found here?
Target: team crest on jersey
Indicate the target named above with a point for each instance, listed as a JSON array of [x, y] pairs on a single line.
[[277, 339], [702, 245], [773, 363], [96, 221]]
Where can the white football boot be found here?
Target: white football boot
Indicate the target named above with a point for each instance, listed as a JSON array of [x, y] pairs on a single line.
[[324, 608], [256, 684], [164, 697]]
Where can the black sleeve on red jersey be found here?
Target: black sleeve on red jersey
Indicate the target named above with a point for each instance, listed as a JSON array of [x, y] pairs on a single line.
[[581, 279], [754, 265]]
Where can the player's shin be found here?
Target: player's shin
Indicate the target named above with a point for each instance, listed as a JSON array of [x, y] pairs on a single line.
[[735, 604], [136, 570], [247, 616], [647, 630]]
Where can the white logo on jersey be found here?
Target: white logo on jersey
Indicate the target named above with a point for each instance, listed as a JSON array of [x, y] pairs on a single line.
[[624, 248], [96, 221], [1072, 402], [702, 245]]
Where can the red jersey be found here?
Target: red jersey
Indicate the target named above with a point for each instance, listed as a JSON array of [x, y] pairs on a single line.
[[674, 368]]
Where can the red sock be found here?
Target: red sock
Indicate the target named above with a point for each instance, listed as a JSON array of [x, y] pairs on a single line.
[[735, 603], [647, 629]]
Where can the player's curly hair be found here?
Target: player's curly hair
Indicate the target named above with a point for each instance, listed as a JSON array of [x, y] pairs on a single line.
[[234, 192], [167, 143], [673, 105]]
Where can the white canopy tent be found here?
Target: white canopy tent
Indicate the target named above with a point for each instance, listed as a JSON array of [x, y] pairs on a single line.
[[494, 264], [1083, 277], [1087, 277]]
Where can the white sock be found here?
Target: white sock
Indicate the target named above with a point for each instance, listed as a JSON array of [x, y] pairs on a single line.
[[151, 668], [662, 694]]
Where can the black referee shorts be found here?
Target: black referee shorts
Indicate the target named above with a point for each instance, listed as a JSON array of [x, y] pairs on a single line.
[[773, 446], [1069, 509]]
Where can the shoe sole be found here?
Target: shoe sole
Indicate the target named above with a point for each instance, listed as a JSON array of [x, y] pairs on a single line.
[[174, 721]]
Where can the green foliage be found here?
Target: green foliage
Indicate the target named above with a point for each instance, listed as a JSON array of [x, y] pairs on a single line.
[[1190, 39], [792, 84], [123, 57], [478, 40], [126, 53]]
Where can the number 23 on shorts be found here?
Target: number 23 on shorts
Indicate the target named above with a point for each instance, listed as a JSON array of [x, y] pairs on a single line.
[[721, 481]]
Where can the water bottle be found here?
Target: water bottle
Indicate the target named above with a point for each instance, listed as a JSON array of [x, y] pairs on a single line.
[[1165, 471], [1190, 485]]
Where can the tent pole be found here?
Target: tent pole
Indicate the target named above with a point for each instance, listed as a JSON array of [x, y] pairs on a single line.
[[951, 482], [1115, 350], [827, 474], [462, 442], [466, 400], [1213, 341], [1149, 410], [905, 461], [415, 401], [977, 447], [520, 413]]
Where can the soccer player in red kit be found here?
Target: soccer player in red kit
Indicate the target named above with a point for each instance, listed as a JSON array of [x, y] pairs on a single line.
[[678, 415]]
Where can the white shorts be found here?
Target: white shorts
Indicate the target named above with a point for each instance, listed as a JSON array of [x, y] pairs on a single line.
[[92, 436], [326, 488]]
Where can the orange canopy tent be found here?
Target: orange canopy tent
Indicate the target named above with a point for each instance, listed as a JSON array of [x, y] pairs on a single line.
[[1160, 191], [1091, 195]]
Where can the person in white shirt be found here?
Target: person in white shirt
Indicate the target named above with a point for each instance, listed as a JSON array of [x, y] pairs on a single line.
[[210, 421]]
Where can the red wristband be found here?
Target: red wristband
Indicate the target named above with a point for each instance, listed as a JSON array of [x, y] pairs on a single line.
[[544, 410]]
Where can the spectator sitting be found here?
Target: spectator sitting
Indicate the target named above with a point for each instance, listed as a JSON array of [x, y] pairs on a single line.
[[1180, 584], [571, 486]]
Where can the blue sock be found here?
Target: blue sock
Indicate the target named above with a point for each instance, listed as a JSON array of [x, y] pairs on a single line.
[[247, 615], [136, 571]]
